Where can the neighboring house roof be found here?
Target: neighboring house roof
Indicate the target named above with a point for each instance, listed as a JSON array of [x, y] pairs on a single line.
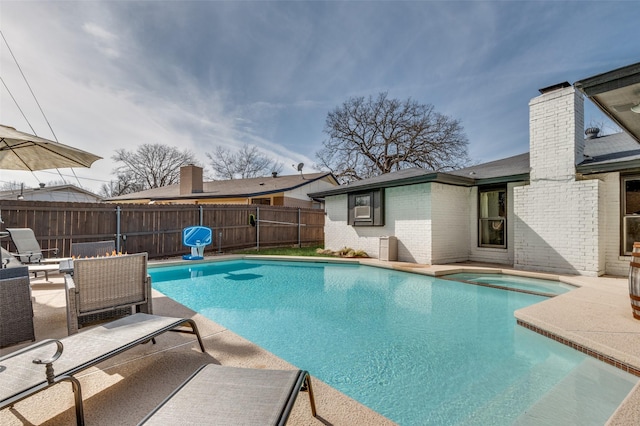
[[65, 193], [606, 153], [234, 188]]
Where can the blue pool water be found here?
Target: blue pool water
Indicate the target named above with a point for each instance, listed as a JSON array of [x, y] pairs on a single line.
[[417, 349]]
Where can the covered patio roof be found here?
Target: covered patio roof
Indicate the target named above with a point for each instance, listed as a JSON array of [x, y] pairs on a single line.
[[616, 93]]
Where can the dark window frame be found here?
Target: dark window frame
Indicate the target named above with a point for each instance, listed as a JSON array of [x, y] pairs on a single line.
[[627, 218], [376, 208], [493, 223]]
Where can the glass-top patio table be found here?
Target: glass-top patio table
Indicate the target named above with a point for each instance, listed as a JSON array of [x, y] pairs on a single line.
[[66, 266]]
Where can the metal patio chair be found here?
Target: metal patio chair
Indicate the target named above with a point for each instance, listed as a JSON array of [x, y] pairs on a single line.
[[103, 288], [28, 248]]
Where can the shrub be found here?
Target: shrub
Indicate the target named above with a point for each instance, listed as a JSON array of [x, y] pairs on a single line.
[[343, 252]]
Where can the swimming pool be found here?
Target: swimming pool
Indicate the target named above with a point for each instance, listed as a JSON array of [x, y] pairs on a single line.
[[417, 349]]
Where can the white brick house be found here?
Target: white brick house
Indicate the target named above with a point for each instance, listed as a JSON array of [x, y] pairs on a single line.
[[571, 205]]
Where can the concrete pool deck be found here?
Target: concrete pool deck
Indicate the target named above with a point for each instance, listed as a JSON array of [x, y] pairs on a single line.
[[595, 317]]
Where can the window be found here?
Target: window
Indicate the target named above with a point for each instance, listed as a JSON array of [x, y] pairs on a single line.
[[630, 212], [362, 209], [492, 217], [261, 201], [366, 208]]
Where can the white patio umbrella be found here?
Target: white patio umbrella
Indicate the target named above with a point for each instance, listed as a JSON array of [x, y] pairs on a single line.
[[22, 151]]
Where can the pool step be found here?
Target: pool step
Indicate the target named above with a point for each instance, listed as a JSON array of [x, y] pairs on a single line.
[[492, 409], [579, 398], [588, 395]]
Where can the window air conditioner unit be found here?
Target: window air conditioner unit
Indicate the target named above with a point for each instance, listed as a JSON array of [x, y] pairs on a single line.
[[362, 212]]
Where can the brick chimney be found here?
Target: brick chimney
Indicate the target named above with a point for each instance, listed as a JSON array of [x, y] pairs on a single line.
[[556, 217], [556, 126], [190, 180]]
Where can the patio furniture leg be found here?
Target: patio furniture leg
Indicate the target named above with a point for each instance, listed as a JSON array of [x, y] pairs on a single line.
[[306, 387], [53, 380], [77, 394], [194, 330]]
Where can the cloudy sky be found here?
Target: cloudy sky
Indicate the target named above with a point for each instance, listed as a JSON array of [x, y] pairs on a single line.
[[198, 74]]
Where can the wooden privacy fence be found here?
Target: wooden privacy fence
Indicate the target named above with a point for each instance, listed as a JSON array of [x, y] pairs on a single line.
[[157, 229]]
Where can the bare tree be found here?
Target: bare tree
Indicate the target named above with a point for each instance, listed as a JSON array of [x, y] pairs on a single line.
[[150, 166], [370, 137], [124, 184], [59, 182], [11, 185], [20, 186], [246, 163]]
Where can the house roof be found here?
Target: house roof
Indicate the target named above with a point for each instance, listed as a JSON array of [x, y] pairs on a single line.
[[615, 92], [13, 194], [606, 153], [410, 176], [509, 169], [609, 153], [234, 188]]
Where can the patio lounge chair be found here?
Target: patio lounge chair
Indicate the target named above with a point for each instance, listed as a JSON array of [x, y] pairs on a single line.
[[28, 248], [46, 363], [92, 249], [103, 288], [222, 395]]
